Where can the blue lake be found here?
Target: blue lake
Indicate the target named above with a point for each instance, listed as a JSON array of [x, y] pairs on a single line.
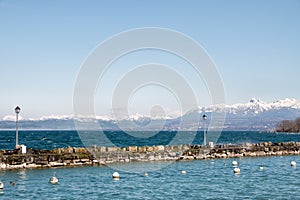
[[58, 139], [205, 179]]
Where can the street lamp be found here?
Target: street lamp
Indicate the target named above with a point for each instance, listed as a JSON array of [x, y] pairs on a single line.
[[204, 130], [17, 110]]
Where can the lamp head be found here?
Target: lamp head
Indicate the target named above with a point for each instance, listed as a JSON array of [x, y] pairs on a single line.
[[17, 109]]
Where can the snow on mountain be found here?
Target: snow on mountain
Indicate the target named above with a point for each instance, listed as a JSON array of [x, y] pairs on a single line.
[[253, 107], [139, 117], [11, 118], [253, 115], [52, 117]]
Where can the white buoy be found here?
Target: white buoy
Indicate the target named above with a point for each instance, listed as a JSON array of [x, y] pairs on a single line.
[[53, 180], [234, 163], [293, 163], [237, 170], [1, 185], [116, 175], [261, 168], [183, 172], [146, 174]]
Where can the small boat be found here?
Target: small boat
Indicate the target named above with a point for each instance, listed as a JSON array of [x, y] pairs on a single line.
[[1, 185]]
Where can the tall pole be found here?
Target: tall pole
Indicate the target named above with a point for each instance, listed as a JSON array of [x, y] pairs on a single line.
[[204, 137], [17, 110], [17, 129], [204, 130]]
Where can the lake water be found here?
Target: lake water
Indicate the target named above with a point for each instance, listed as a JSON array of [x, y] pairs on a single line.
[[205, 179], [58, 139]]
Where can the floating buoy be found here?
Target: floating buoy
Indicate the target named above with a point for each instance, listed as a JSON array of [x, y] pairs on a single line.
[[146, 174], [53, 180], [234, 163], [261, 168], [1, 185], [183, 172], [237, 170], [293, 163], [116, 175]]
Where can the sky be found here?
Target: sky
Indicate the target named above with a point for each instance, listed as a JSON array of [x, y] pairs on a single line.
[[255, 46]]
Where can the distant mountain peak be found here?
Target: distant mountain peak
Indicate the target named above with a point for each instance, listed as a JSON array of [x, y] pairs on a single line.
[[252, 107], [254, 100], [255, 114]]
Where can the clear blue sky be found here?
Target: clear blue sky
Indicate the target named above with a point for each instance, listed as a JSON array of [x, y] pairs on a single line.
[[255, 44]]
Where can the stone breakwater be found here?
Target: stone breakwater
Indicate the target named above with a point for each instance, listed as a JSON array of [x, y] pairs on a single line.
[[105, 155]]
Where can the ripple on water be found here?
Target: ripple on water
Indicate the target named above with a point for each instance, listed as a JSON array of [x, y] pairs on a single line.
[[202, 180]]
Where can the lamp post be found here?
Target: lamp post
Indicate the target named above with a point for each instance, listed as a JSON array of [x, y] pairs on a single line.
[[17, 110], [204, 129]]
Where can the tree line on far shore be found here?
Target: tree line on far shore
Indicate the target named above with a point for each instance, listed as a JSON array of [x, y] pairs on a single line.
[[289, 126]]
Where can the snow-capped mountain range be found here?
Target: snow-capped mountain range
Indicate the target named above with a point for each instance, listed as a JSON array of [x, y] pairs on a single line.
[[253, 115], [255, 106]]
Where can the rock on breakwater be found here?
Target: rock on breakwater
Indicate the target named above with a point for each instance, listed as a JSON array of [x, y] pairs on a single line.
[[99, 155], [44, 158]]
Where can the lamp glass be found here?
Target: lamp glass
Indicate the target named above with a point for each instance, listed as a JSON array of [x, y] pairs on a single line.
[[17, 109]]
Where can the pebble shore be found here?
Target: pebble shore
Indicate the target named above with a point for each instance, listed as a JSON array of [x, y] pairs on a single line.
[[71, 156]]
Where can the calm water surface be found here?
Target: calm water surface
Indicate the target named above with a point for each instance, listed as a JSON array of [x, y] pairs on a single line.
[[204, 180]]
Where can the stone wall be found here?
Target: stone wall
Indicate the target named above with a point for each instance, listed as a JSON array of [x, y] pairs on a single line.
[[251, 150], [45, 158], [105, 155]]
